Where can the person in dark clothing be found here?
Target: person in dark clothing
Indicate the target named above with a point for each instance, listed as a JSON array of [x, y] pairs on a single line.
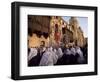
[[33, 61], [72, 59], [76, 58], [36, 59]]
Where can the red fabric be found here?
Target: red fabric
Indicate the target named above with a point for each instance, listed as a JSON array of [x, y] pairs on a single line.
[[57, 37]]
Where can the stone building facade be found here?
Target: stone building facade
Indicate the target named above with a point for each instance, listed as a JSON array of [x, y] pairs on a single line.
[[54, 31], [38, 30], [78, 36], [70, 32]]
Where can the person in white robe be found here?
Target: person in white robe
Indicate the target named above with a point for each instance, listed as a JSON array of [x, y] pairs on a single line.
[[73, 51], [49, 57], [59, 53], [46, 59], [67, 52], [54, 55], [33, 53], [81, 57]]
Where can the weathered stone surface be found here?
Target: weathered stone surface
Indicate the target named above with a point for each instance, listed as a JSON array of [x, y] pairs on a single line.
[[54, 31]]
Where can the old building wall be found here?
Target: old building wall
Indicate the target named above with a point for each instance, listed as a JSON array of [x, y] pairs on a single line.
[[54, 31], [35, 41], [38, 30], [77, 32]]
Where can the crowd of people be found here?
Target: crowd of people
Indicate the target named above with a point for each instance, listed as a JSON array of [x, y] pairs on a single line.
[[47, 56]]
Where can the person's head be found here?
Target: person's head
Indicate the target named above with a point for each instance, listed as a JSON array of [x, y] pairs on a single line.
[[42, 43], [66, 46], [51, 48], [69, 45]]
